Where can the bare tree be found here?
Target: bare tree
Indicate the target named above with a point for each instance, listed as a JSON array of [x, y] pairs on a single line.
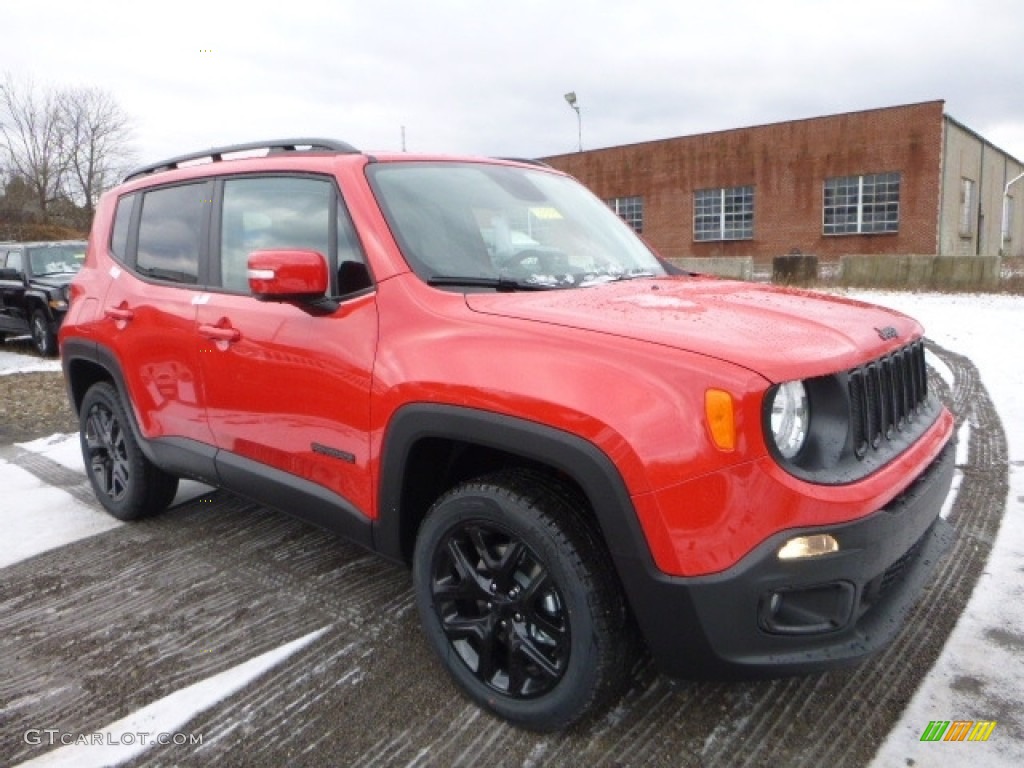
[[30, 127], [96, 134]]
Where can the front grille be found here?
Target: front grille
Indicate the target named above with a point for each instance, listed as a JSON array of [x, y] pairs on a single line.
[[886, 395]]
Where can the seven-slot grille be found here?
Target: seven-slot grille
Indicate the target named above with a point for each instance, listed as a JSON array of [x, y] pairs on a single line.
[[885, 395]]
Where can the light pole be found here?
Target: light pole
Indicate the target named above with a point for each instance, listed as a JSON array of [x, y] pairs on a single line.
[[1004, 229], [571, 98]]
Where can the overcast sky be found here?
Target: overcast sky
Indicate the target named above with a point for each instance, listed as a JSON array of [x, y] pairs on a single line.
[[489, 77]]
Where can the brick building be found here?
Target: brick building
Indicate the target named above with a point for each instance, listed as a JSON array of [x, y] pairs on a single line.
[[899, 180]]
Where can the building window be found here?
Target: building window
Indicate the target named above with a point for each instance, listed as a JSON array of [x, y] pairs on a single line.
[[966, 206], [631, 209], [861, 205], [723, 214]]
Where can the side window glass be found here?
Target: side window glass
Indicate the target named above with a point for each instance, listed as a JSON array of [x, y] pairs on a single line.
[[271, 212], [14, 260], [122, 220], [353, 274], [170, 232]]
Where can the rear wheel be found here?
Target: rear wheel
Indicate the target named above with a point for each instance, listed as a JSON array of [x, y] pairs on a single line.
[[519, 600], [126, 483], [44, 338]]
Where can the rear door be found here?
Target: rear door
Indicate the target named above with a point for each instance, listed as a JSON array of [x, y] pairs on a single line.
[[150, 308], [288, 386]]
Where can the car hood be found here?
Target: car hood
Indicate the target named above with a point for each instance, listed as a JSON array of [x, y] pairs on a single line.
[[781, 334]]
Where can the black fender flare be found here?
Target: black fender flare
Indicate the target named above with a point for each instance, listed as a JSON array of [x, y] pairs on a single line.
[[183, 457], [646, 589], [588, 466]]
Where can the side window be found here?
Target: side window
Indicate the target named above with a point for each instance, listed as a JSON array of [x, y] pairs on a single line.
[[14, 260], [353, 274], [122, 220], [272, 212], [170, 232]]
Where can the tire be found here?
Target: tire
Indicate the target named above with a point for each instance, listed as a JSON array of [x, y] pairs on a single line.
[[519, 600], [126, 483], [44, 338]]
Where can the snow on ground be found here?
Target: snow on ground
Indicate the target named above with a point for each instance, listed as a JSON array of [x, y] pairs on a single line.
[[40, 517], [63, 449], [14, 363], [119, 741], [979, 675]]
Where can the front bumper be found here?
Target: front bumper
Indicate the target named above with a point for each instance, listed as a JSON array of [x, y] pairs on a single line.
[[765, 616]]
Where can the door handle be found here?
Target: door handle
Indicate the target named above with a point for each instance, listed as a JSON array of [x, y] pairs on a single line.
[[218, 333], [119, 313]]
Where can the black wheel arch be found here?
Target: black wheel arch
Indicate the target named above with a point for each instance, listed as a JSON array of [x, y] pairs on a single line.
[[428, 448], [87, 362]]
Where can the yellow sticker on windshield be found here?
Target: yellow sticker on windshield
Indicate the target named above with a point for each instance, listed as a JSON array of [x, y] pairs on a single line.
[[546, 212]]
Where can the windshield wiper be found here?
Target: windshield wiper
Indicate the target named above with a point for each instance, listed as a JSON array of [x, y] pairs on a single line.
[[501, 284], [633, 275]]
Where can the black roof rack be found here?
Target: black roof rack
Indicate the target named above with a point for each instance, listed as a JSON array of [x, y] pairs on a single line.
[[216, 154], [527, 160]]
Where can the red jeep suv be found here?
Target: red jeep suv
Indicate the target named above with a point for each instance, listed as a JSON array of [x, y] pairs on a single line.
[[474, 367]]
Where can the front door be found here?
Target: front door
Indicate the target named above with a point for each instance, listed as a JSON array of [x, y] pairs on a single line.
[[285, 385]]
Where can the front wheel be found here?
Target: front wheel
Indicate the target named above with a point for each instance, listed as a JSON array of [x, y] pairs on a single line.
[[126, 483], [44, 339], [519, 600]]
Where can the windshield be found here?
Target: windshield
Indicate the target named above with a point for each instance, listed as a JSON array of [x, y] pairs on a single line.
[[57, 259], [474, 224]]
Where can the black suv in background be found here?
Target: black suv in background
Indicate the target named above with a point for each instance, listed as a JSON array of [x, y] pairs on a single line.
[[34, 279]]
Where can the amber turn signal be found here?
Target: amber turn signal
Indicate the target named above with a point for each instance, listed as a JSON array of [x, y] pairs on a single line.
[[721, 422]]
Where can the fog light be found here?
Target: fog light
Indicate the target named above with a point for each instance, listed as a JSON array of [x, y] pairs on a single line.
[[809, 546], [808, 610]]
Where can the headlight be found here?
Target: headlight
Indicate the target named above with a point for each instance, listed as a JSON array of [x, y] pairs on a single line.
[[790, 417]]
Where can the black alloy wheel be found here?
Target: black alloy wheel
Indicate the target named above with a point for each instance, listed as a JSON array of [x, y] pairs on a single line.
[[500, 610], [125, 482], [107, 452], [520, 602]]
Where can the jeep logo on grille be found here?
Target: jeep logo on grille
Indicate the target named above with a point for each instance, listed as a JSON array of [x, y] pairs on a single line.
[[887, 333]]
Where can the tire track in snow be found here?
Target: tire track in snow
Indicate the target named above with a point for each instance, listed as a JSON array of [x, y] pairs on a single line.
[[839, 722]]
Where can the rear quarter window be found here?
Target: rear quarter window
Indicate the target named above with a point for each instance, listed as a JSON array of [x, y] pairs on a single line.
[[122, 222]]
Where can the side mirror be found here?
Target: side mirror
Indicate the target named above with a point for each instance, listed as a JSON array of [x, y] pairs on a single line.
[[10, 274], [294, 275]]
